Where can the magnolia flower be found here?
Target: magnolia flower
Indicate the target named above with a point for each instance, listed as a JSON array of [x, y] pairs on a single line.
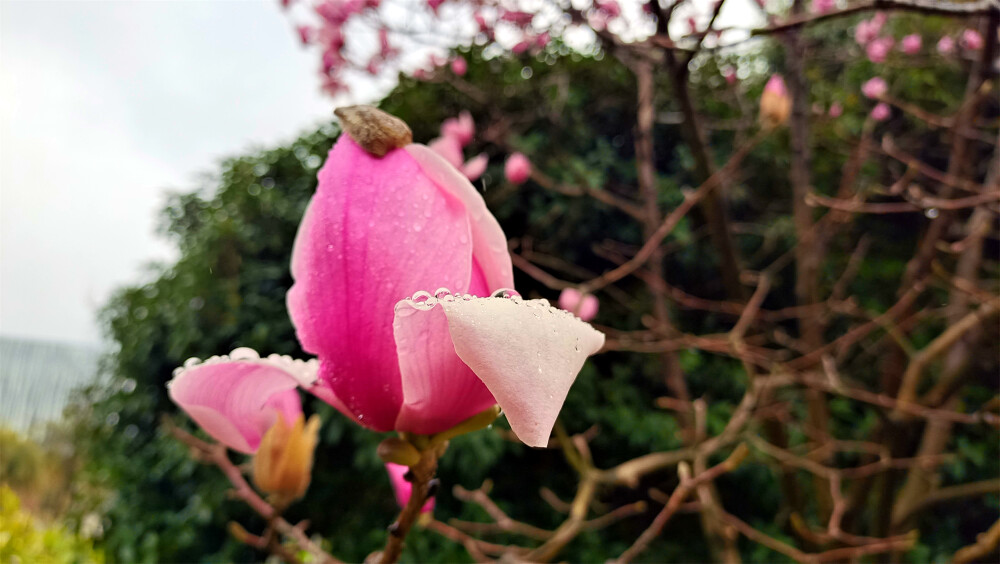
[[237, 398], [462, 128], [517, 169], [388, 218], [775, 104], [971, 40], [875, 88], [402, 487], [880, 112], [946, 45], [583, 306], [911, 44], [456, 133]]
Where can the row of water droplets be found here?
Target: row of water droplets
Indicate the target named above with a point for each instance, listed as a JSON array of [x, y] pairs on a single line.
[[303, 370], [426, 301]]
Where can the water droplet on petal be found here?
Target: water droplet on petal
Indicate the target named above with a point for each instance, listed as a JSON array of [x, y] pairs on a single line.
[[505, 293], [442, 293]]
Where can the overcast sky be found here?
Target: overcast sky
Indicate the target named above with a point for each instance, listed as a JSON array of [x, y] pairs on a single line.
[[106, 105]]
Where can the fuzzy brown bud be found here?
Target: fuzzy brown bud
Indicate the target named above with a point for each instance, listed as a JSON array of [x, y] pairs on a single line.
[[374, 130]]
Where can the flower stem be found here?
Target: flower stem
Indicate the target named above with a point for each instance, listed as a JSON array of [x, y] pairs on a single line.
[[422, 475]]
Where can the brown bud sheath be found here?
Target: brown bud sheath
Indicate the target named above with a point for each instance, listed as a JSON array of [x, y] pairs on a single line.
[[374, 130]]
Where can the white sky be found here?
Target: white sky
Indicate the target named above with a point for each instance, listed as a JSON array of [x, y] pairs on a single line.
[[104, 106]]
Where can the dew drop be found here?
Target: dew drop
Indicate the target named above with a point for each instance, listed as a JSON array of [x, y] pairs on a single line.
[[505, 293], [442, 293]]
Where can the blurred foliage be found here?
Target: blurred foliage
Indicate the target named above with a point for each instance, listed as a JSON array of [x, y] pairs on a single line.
[[23, 539], [574, 117]]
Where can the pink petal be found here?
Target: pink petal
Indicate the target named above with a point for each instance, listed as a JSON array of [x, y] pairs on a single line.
[[526, 352], [402, 488], [375, 230], [489, 244], [461, 128], [439, 390], [236, 398], [449, 148], [475, 167]]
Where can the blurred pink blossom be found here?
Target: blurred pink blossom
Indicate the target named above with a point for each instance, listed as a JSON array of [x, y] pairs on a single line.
[[434, 5], [730, 75], [946, 45], [517, 169], [836, 110], [475, 167], [305, 34], [520, 47], [880, 112], [609, 7], [876, 87], [459, 65], [517, 17], [583, 306], [971, 40], [878, 49], [911, 44], [462, 128]]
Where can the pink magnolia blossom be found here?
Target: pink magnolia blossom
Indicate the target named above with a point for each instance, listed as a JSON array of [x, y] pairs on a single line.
[[880, 112], [946, 45], [585, 307], [836, 110], [475, 167], [868, 30], [517, 169], [459, 66], [874, 88], [911, 44], [403, 488], [823, 6], [379, 228], [449, 148], [236, 398], [462, 128], [971, 40], [878, 49]]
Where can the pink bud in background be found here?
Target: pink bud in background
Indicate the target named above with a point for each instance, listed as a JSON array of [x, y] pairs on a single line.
[[946, 45], [880, 112], [482, 22], [520, 47], [462, 128], [305, 34], [459, 66], [775, 104], [730, 75], [836, 110], [823, 6], [878, 49], [971, 40], [403, 488], [911, 44], [876, 87], [865, 32], [543, 39], [236, 398], [517, 169], [475, 167], [584, 307]]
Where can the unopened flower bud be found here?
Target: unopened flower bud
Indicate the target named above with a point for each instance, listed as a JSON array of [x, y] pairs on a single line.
[[374, 130], [282, 466], [775, 104]]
